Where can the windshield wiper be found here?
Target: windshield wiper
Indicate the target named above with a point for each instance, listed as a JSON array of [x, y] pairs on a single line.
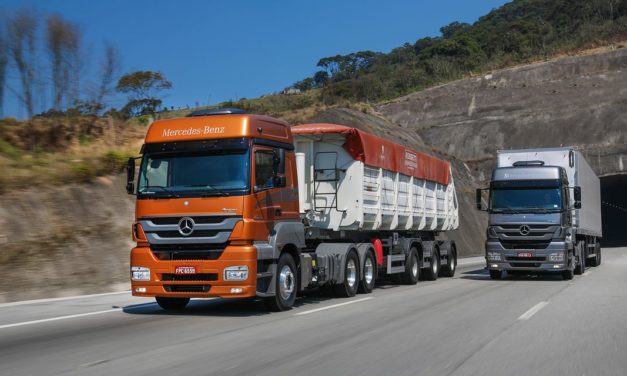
[[505, 211], [168, 193], [543, 210], [215, 192]]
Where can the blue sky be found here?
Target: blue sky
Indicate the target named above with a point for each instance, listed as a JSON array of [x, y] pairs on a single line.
[[219, 50]]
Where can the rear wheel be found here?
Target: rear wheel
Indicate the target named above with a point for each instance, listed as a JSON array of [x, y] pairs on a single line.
[[431, 273], [285, 285], [596, 260], [369, 275], [348, 287], [172, 304], [496, 274], [448, 270], [580, 268], [412, 269]]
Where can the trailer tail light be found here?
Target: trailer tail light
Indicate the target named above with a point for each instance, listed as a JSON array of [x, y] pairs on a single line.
[[378, 250]]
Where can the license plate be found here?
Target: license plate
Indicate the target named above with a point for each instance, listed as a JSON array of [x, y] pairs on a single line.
[[185, 270], [525, 254]]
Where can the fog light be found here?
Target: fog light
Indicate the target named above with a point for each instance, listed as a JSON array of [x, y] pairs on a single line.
[[556, 257], [140, 289], [494, 256], [494, 265], [236, 273], [140, 273], [237, 290], [558, 266]]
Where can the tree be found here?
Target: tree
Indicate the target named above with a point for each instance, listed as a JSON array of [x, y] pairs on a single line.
[[321, 78], [109, 71], [63, 44], [142, 88], [453, 29], [304, 85], [22, 29]]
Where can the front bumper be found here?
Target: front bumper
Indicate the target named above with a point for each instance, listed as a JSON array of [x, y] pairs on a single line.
[[538, 262], [208, 281]]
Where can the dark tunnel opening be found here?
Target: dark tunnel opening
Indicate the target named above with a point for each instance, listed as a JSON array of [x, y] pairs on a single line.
[[614, 210]]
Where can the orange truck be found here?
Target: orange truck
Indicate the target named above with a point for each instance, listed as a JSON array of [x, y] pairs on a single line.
[[237, 205]]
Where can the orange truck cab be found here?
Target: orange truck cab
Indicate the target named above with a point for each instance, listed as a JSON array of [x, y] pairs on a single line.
[[209, 188]]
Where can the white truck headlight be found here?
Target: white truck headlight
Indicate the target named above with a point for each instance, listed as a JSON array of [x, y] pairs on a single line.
[[236, 273], [140, 273], [556, 257], [494, 256]]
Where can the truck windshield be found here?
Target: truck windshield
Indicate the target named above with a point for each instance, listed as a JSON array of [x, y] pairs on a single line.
[[196, 174], [525, 200]]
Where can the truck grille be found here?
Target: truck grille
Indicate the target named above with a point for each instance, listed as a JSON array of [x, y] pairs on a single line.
[[199, 229], [517, 244], [189, 277], [515, 258], [187, 252], [187, 288], [197, 219]]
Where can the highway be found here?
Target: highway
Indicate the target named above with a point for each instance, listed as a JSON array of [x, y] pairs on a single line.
[[467, 325]]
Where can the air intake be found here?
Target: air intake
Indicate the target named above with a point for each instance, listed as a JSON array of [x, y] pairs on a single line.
[[217, 111], [528, 163]]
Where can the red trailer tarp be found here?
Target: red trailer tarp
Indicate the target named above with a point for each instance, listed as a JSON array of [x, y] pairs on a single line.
[[377, 152]]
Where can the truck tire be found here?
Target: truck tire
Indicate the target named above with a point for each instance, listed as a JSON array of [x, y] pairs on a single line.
[[412, 268], [580, 268], [448, 270], [366, 285], [348, 287], [431, 273], [172, 304], [598, 253], [496, 274], [567, 275], [285, 285], [596, 260]]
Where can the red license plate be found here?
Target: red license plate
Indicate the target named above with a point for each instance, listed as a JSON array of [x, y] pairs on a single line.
[[525, 254], [185, 270]]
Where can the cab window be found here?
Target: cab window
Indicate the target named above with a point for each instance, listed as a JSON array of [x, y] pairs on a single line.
[[264, 161]]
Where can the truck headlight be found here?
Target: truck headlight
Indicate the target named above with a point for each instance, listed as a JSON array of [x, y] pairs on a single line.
[[236, 273], [556, 257], [140, 273], [494, 256]]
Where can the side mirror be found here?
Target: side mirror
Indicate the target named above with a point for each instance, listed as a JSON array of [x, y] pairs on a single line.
[[577, 197], [130, 176], [279, 181], [279, 161]]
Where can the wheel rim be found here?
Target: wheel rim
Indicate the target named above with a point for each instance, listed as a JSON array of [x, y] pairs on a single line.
[[414, 267], [368, 271], [286, 282], [351, 272]]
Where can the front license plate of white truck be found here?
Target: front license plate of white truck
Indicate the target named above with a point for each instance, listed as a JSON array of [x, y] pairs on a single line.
[[185, 270], [525, 254]]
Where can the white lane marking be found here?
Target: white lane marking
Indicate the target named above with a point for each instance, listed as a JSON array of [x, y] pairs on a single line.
[[471, 261], [532, 311], [59, 318], [331, 306], [587, 273], [48, 300]]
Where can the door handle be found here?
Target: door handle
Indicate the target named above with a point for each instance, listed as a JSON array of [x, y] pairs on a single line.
[[278, 212]]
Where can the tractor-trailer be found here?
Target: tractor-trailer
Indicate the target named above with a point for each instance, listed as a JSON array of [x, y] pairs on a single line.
[[237, 205], [544, 213]]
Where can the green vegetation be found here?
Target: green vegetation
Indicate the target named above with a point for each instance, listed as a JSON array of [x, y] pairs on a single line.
[[518, 32]]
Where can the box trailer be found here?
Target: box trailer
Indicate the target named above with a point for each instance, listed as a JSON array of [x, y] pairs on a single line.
[[238, 205], [545, 212]]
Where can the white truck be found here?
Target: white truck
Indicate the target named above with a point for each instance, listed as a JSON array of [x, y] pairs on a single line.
[[545, 213]]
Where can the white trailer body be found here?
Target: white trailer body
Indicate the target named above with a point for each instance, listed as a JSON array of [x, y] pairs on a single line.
[[339, 192], [587, 220]]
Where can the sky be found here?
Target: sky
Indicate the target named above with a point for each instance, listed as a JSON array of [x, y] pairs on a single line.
[[214, 51]]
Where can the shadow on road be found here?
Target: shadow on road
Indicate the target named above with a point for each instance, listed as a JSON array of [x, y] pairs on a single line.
[[483, 275]]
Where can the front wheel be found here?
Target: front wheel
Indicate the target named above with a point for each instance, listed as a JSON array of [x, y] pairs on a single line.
[[172, 304], [285, 285], [348, 287]]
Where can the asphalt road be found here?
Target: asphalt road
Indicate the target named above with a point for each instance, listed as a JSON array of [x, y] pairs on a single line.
[[467, 325]]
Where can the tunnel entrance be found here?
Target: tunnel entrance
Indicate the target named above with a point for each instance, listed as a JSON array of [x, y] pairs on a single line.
[[614, 210]]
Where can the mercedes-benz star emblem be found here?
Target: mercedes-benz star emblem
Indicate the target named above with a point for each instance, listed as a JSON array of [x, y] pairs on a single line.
[[186, 226], [524, 230]]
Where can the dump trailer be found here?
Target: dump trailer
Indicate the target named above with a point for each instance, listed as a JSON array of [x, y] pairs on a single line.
[[239, 205], [544, 213]]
